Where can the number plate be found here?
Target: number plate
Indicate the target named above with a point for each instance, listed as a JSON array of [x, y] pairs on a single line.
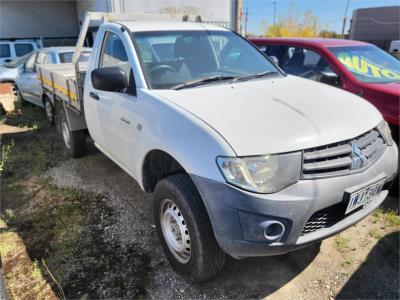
[[363, 196]]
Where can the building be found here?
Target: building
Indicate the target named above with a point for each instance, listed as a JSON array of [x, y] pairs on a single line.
[[376, 25], [57, 22]]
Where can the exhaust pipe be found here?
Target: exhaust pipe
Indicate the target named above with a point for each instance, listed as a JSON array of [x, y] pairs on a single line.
[[273, 230]]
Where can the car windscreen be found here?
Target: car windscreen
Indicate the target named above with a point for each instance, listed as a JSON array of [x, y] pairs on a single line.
[[66, 57], [172, 58], [368, 63], [18, 61]]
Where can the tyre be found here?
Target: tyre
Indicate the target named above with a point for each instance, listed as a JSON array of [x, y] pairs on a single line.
[[19, 97], [48, 107], [185, 230], [74, 141]]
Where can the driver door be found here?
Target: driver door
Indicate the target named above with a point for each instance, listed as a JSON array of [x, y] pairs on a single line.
[[28, 83], [115, 110]]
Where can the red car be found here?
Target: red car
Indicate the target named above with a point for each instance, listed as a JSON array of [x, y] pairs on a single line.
[[357, 67]]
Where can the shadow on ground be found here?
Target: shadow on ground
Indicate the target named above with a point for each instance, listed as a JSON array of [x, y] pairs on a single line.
[[261, 276], [381, 275]]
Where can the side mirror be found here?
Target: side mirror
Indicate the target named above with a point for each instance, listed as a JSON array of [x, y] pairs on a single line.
[[328, 77], [274, 59], [109, 79]]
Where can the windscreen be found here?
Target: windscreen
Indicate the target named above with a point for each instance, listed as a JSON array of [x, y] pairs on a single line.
[[18, 61], [368, 63], [171, 58]]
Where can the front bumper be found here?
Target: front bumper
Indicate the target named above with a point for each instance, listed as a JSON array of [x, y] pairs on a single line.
[[238, 216]]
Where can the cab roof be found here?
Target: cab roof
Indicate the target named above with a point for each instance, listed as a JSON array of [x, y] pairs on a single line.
[[139, 26], [311, 41]]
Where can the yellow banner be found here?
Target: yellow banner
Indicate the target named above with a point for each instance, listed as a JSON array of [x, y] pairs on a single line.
[[365, 67]]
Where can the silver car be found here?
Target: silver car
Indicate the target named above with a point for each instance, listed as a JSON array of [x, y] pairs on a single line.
[[28, 85]]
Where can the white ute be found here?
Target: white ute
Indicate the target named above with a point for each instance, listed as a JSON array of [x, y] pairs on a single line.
[[242, 159]]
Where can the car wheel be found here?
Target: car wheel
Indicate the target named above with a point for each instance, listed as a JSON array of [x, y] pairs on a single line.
[[19, 97], [185, 230], [74, 141], [49, 110]]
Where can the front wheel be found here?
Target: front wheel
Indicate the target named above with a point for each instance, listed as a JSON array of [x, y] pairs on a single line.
[[74, 141], [185, 230]]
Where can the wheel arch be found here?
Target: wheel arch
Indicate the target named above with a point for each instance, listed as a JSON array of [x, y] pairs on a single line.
[[158, 164]]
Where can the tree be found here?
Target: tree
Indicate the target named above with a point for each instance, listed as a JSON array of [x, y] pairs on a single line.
[[293, 26], [329, 34]]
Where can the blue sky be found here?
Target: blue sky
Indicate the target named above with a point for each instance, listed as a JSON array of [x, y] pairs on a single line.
[[329, 12]]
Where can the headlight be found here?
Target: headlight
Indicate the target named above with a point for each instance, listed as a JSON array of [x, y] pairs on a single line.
[[262, 174], [384, 130]]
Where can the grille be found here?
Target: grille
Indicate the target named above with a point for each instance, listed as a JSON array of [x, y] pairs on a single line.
[[336, 159], [331, 215], [326, 217]]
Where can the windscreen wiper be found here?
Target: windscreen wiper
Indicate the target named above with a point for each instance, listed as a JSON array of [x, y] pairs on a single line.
[[258, 75], [198, 82]]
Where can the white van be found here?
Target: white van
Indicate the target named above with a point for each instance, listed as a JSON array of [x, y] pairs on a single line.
[[11, 49]]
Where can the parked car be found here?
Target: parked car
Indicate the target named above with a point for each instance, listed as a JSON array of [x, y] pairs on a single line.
[[241, 158], [12, 49], [10, 71], [27, 83], [360, 68]]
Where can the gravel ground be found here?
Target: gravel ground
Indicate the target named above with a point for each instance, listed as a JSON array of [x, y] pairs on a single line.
[[316, 272]]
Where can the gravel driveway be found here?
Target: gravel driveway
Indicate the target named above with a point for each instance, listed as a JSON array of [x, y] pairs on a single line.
[[316, 272]]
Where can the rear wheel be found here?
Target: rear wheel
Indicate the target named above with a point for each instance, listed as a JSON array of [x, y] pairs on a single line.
[[49, 110], [185, 230], [74, 141]]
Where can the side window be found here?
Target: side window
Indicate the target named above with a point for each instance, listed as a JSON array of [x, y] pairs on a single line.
[[113, 53], [30, 63], [22, 48], [272, 50], [5, 50], [308, 64]]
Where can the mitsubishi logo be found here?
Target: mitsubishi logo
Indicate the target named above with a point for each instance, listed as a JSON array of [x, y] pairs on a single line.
[[358, 159]]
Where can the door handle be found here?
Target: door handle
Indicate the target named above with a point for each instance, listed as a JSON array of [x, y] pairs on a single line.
[[94, 96], [125, 120]]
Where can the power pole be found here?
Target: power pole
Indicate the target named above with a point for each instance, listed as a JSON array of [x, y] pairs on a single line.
[[345, 18], [274, 12], [245, 21]]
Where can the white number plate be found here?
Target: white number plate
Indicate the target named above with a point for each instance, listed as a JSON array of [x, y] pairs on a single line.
[[362, 197]]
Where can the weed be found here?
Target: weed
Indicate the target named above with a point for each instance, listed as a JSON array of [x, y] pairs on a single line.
[[5, 155], [36, 273], [342, 243], [392, 219], [373, 232], [345, 264]]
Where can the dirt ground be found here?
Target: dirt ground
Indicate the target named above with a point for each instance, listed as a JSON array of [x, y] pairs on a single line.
[[88, 232]]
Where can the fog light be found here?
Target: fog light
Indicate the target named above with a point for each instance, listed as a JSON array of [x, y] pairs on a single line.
[[274, 230]]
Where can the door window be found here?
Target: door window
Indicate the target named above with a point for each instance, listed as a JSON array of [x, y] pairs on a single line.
[[5, 50], [113, 53], [41, 58], [22, 48], [303, 62]]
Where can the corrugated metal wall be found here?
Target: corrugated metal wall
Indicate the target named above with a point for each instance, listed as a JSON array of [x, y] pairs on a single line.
[[378, 25], [38, 19]]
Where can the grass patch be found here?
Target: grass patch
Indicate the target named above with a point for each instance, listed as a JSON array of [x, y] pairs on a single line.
[[342, 243], [29, 116]]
